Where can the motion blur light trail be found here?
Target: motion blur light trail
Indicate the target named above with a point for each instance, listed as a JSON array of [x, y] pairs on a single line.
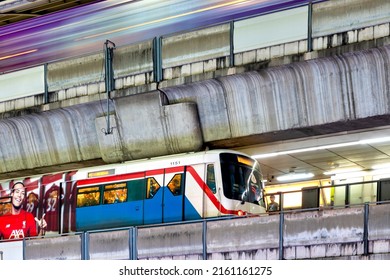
[[83, 30]]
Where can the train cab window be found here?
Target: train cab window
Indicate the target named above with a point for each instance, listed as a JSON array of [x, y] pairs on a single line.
[[210, 178], [115, 193], [175, 185], [241, 179], [88, 196], [151, 187]]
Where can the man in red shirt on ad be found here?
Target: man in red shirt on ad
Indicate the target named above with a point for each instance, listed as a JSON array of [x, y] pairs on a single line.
[[19, 223]]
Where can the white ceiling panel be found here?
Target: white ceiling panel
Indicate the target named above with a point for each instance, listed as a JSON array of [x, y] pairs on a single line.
[[281, 157]]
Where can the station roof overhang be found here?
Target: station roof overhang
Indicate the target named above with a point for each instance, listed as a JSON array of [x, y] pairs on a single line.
[[325, 156]]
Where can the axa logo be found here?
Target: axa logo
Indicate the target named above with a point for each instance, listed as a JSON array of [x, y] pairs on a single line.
[[16, 234]]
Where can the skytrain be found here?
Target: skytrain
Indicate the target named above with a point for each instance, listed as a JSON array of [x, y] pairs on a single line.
[[165, 189]]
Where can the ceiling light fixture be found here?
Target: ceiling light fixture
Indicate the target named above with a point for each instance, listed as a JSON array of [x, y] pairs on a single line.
[[348, 175], [381, 166], [292, 176], [342, 170]]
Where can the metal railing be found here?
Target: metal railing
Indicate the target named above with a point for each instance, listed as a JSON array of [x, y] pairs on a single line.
[[339, 196], [368, 220]]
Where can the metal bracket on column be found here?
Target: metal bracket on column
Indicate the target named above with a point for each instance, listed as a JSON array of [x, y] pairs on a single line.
[[231, 55], [157, 59], [309, 27], [109, 70]]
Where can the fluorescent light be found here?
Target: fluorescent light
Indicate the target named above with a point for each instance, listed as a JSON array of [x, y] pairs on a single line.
[[349, 175], [294, 176], [305, 150], [342, 170], [375, 140], [381, 166]]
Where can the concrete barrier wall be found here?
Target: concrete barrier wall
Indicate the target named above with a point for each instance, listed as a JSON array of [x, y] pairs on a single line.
[[113, 245], [133, 59], [323, 234], [324, 227], [127, 60], [58, 248], [271, 29], [338, 16], [379, 222], [22, 83], [75, 72], [11, 250], [199, 45], [178, 242], [243, 234]]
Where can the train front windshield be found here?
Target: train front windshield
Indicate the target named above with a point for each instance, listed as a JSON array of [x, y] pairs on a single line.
[[242, 179]]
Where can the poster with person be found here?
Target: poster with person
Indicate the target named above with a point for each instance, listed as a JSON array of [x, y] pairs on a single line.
[[18, 223]]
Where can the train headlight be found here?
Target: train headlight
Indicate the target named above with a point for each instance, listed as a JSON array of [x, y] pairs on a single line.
[[241, 213]]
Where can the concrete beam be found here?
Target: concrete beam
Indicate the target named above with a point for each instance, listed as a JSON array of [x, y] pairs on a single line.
[[73, 137]]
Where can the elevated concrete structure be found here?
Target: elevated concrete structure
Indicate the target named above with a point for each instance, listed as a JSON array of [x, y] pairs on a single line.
[[324, 95]]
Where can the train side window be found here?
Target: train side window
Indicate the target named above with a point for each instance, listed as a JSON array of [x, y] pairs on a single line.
[[136, 190], [115, 193], [175, 185], [151, 187], [210, 178], [88, 196]]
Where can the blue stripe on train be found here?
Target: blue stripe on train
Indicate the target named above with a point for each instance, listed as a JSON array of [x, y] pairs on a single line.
[[148, 211]]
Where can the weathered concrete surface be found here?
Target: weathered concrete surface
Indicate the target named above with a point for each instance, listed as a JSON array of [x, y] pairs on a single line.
[[296, 97], [52, 138], [199, 45], [212, 107], [73, 137], [336, 16], [380, 222], [243, 234], [148, 126], [324, 227], [170, 241], [109, 245], [132, 59], [60, 248]]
